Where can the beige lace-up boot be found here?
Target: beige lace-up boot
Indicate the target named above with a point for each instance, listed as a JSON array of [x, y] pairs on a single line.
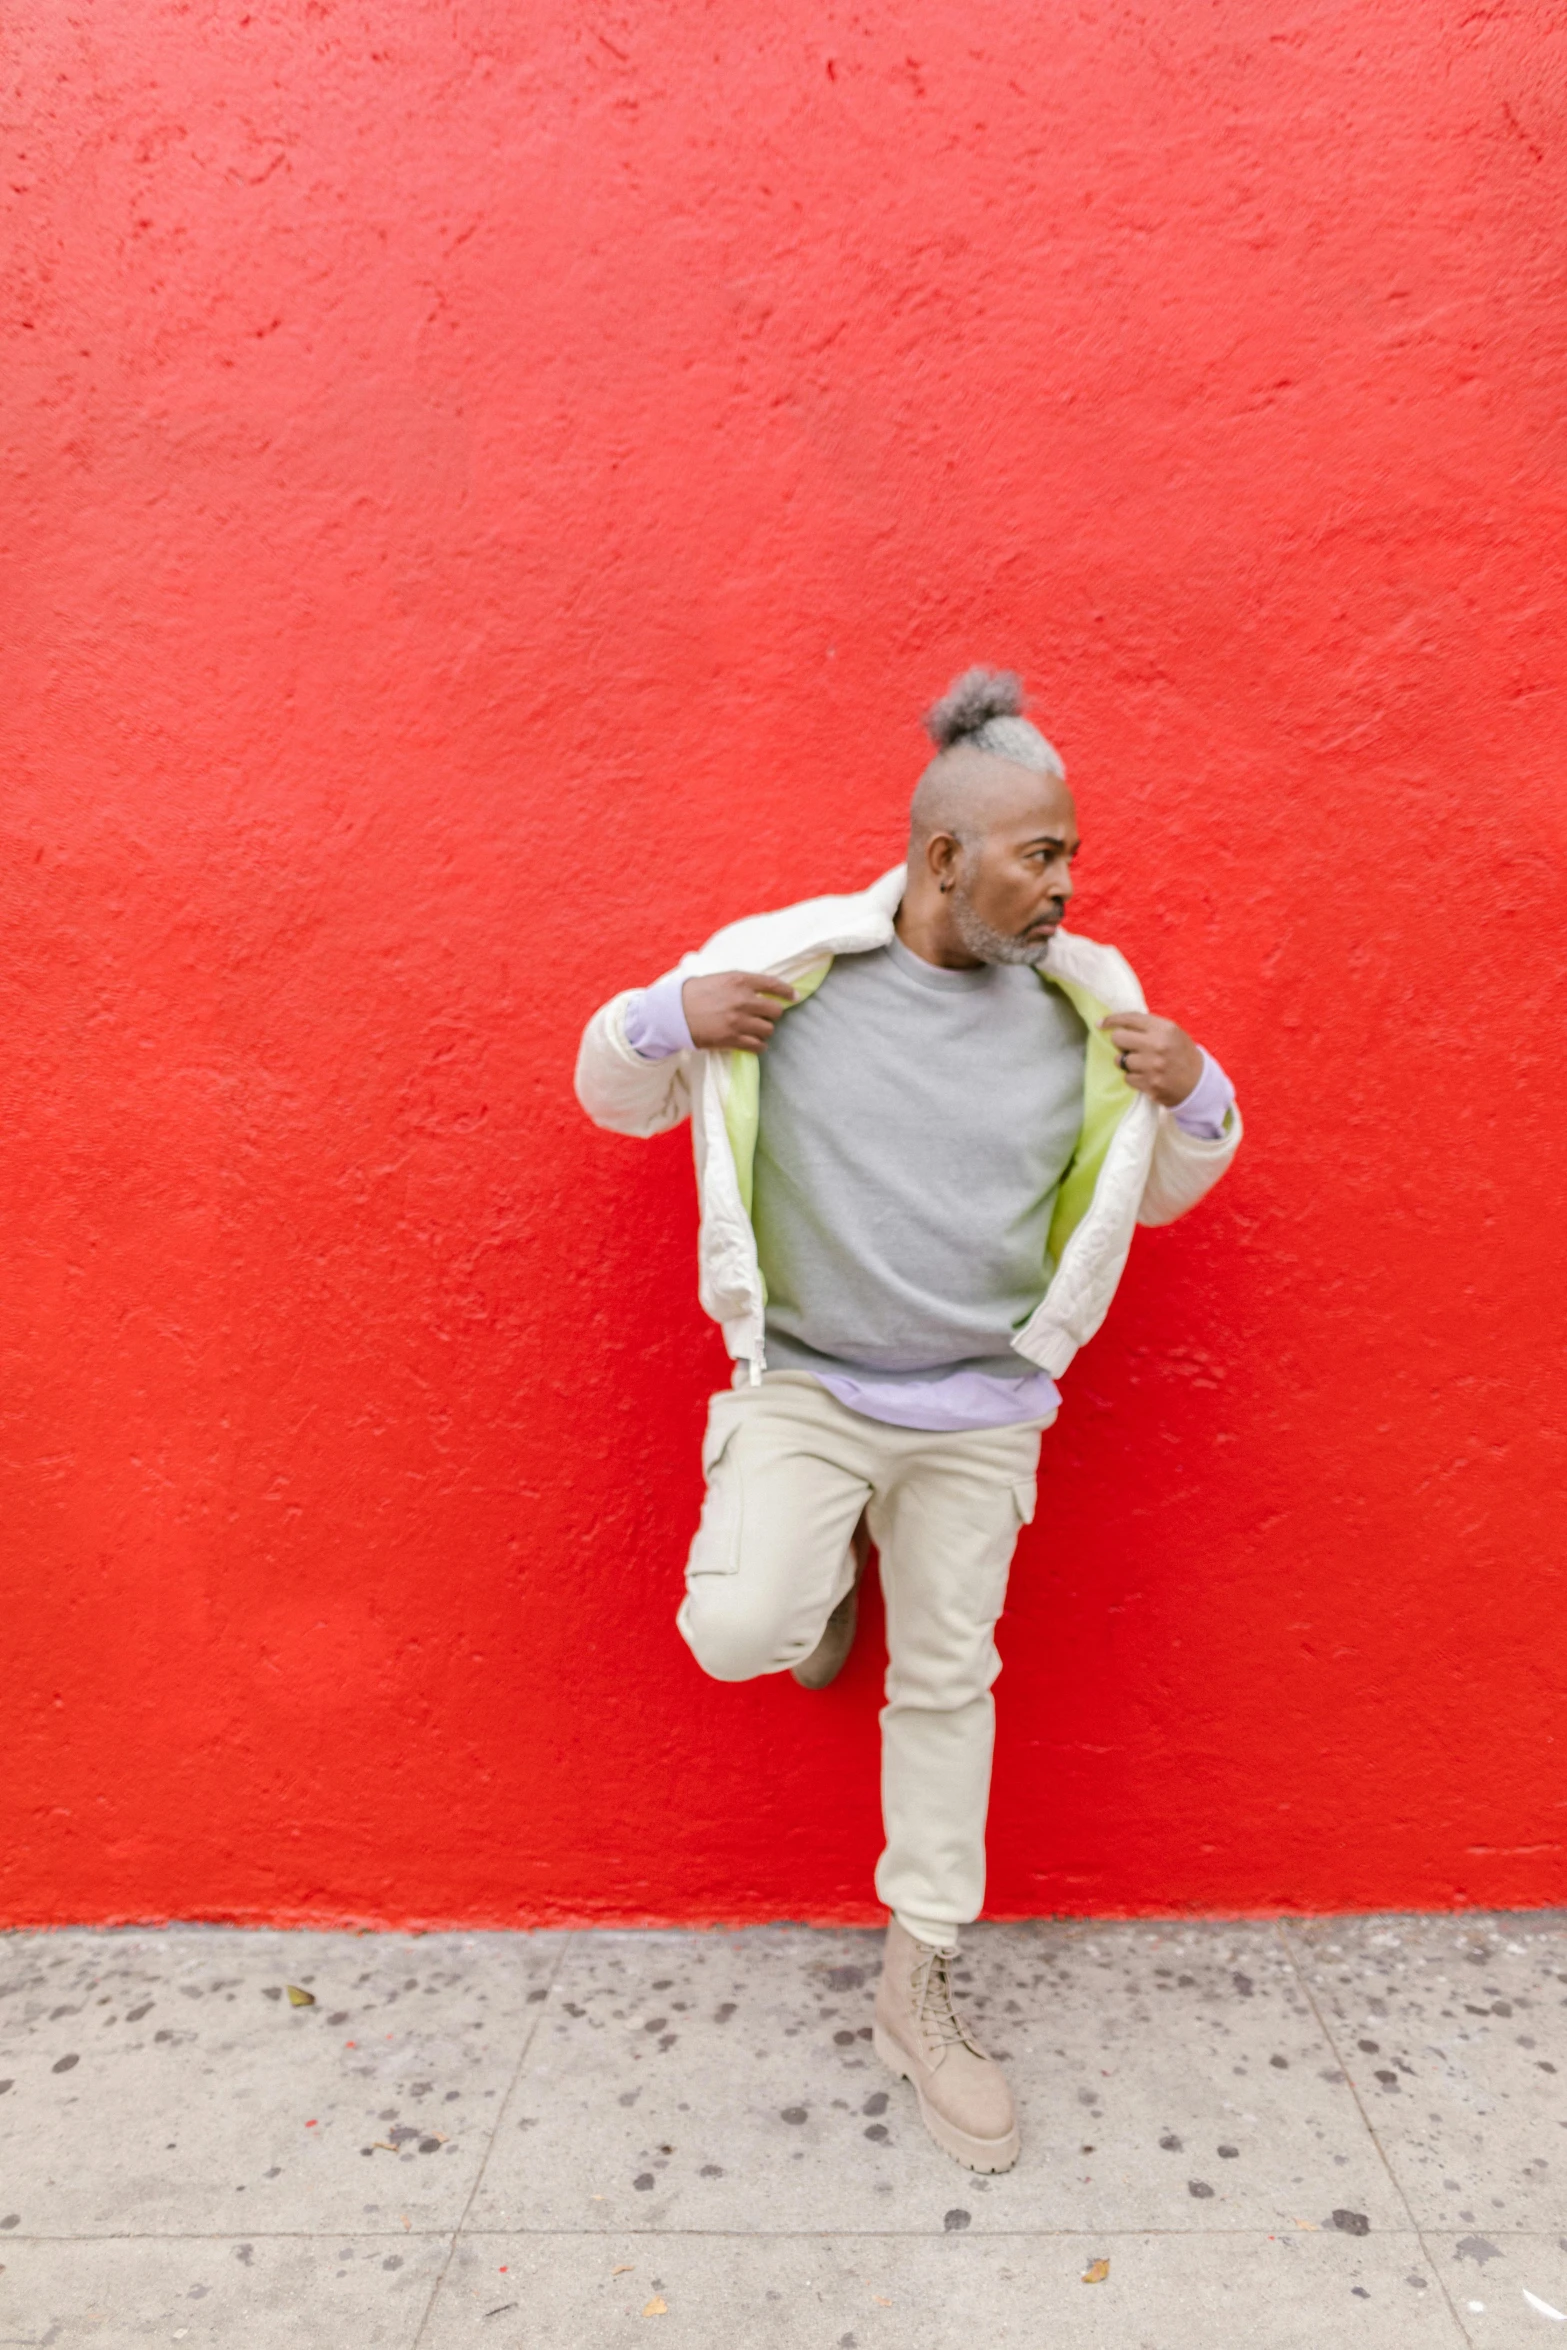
[[919, 2035]]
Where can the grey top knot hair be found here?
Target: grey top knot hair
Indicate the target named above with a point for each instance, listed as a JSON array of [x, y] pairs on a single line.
[[983, 710]]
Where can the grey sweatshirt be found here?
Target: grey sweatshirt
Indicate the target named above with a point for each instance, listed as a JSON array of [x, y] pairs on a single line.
[[915, 1124]]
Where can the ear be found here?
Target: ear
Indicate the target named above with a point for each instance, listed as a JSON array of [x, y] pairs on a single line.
[[943, 856]]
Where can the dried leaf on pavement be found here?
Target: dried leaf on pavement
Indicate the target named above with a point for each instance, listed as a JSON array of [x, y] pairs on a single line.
[[1096, 2272], [657, 2307], [298, 1998]]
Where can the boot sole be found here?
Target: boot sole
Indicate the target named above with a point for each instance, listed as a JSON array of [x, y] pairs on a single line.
[[983, 2154]]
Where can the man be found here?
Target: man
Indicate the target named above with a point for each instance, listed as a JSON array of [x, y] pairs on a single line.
[[926, 1120]]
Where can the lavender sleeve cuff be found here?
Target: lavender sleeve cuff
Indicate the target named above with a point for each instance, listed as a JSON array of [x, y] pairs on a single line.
[[1206, 1107], [656, 1021]]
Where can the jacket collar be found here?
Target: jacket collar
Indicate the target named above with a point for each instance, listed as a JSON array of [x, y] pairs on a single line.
[[865, 921], [862, 920]]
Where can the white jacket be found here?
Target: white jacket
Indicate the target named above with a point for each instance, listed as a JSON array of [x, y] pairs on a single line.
[[1139, 1167]]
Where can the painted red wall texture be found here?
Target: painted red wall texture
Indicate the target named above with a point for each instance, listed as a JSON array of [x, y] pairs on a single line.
[[489, 491]]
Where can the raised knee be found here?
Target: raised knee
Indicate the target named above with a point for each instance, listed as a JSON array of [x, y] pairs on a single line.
[[725, 1637]]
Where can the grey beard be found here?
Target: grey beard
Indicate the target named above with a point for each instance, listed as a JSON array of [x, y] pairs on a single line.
[[991, 946]]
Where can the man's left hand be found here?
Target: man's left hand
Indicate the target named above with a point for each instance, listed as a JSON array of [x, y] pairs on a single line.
[[1158, 1057]]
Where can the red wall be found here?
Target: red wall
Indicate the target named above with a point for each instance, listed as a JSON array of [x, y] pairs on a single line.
[[490, 491]]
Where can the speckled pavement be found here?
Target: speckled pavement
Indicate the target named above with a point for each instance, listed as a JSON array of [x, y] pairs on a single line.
[[1329, 2133]]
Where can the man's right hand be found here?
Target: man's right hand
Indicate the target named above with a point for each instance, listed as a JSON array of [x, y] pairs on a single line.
[[734, 1011]]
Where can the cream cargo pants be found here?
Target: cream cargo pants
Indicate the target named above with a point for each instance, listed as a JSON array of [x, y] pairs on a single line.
[[789, 1469]]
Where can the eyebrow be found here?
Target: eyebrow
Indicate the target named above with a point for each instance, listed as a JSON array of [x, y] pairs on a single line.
[[1051, 840]]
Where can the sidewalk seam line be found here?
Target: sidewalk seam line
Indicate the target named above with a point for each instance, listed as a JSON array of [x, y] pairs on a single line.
[[1281, 1929], [971, 2236], [505, 2107], [741, 2234]]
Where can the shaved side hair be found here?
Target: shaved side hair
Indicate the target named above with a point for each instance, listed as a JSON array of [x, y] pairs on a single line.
[[977, 724]]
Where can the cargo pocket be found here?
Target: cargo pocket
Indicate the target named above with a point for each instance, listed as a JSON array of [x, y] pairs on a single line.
[[1022, 1494], [715, 1549]]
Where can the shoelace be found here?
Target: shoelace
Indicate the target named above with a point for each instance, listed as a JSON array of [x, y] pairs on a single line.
[[930, 1988]]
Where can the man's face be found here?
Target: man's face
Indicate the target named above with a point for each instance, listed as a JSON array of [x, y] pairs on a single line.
[[1010, 891]]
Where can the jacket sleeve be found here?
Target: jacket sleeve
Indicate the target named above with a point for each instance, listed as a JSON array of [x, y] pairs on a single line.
[[1184, 1167], [621, 1091]]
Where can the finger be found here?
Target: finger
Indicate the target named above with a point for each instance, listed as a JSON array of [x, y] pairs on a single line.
[[763, 983], [1127, 1024]]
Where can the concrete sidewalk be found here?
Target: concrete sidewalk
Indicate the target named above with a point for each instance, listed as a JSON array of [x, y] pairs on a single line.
[[1329, 2133]]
